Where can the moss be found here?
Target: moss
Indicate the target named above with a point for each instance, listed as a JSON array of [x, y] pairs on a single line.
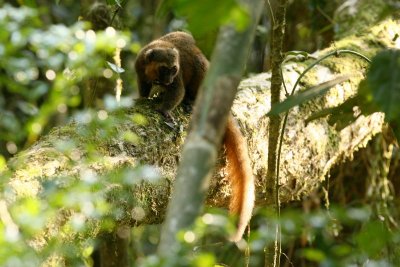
[[367, 13]]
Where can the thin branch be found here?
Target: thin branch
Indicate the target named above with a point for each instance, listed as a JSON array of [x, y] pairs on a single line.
[[278, 29]]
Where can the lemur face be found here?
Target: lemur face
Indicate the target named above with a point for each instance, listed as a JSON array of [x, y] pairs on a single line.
[[162, 65]]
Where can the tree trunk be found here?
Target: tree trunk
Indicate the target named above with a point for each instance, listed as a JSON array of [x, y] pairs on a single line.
[[199, 154], [272, 253]]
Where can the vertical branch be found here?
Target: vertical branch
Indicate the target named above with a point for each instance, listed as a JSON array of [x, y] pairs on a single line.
[[209, 123], [272, 181], [118, 86], [98, 14], [113, 250]]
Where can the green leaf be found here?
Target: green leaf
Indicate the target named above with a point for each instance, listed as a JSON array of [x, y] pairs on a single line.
[[110, 2], [114, 2], [313, 254], [27, 108], [304, 96], [297, 56], [204, 260], [30, 3], [3, 163], [216, 15], [377, 232], [383, 79], [340, 116], [115, 68]]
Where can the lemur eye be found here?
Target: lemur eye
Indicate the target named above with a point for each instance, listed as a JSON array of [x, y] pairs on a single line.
[[174, 69], [163, 69]]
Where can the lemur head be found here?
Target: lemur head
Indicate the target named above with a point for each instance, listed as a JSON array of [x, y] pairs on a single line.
[[162, 65]]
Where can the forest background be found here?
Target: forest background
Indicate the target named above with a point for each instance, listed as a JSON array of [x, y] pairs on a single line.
[[87, 170]]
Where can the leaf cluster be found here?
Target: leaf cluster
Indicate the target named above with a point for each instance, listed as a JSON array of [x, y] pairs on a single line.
[[42, 71]]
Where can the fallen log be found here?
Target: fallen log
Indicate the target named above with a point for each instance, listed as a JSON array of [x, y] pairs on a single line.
[[308, 153]]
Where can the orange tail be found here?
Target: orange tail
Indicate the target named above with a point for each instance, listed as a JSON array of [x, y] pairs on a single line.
[[240, 175]]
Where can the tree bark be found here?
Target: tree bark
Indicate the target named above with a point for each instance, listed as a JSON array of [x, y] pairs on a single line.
[[199, 154], [308, 153], [272, 253], [112, 251]]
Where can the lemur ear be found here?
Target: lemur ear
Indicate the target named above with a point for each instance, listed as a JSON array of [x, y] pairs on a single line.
[[149, 55]]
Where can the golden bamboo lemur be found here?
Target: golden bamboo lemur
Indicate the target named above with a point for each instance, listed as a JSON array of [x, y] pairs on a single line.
[[175, 63]]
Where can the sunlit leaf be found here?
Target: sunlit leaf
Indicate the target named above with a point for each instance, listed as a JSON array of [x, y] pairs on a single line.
[[115, 68], [130, 137], [139, 119], [313, 254], [204, 260], [2, 163]]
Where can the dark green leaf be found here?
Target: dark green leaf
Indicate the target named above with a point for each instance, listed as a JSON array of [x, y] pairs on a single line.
[[304, 96], [373, 231], [110, 2], [297, 56], [342, 115], [30, 3], [9, 122], [383, 79]]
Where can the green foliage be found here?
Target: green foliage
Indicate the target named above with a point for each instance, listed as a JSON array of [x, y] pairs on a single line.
[[200, 245], [63, 219], [381, 88], [325, 236], [378, 92], [383, 81], [205, 16], [42, 71], [114, 2], [328, 240]]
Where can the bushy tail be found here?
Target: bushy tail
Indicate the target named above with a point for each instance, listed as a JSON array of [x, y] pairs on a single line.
[[240, 175]]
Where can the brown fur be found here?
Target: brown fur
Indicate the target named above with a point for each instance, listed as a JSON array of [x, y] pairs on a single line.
[[151, 70], [174, 49], [240, 176], [179, 49]]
